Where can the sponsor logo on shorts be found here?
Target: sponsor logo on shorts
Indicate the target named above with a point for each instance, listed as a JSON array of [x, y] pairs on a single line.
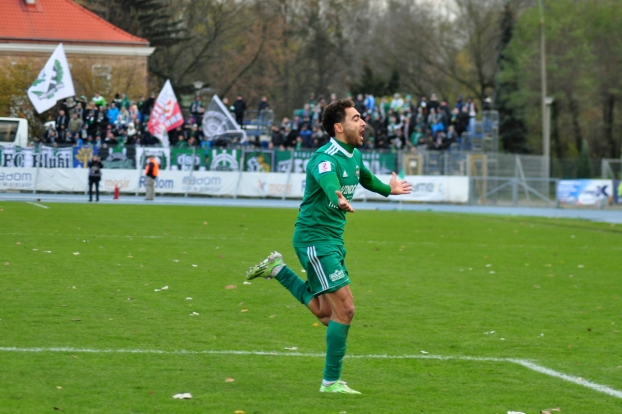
[[337, 275]]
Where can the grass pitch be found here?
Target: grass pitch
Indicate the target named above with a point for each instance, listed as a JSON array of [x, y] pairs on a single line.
[[83, 277]]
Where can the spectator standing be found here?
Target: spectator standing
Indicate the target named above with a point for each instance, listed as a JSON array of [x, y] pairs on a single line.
[[263, 105], [197, 110], [370, 102], [151, 171], [75, 124], [239, 107], [359, 105], [147, 106], [472, 108], [433, 103], [113, 113], [95, 174], [397, 103], [99, 100]]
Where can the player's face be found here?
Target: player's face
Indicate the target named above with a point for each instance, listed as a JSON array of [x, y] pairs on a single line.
[[353, 127]]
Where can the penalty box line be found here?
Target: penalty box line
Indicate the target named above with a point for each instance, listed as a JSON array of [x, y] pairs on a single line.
[[522, 362]]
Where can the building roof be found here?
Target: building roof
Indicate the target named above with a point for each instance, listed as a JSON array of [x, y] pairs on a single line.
[[54, 21]]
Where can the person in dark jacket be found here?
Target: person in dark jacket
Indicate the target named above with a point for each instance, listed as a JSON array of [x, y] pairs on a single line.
[[95, 174], [239, 107]]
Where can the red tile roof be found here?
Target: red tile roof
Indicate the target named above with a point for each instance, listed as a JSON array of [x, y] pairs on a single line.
[[54, 21]]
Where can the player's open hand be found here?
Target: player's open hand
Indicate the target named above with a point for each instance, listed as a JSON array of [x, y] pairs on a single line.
[[399, 186], [343, 203]]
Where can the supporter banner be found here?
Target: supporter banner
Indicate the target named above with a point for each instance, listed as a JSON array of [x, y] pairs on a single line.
[[617, 192], [163, 155], [117, 157], [584, 192], [258, 160], [44, 157], [225, 160], [82, 156], [165, 115], [53, 83], [376, 162], [184, 159]]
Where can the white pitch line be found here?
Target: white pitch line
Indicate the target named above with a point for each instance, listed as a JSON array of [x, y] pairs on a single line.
[[522, 362], [36, 204]]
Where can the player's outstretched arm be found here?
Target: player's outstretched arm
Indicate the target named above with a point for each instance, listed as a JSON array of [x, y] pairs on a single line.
[[343, 203], [399, 186]]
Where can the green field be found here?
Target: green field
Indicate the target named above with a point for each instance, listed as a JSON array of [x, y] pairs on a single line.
[[425, 284]]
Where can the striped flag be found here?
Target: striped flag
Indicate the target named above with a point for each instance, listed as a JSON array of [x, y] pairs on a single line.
[[166, 114]]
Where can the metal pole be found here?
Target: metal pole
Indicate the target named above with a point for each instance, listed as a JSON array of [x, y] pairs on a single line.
[[546, 145]]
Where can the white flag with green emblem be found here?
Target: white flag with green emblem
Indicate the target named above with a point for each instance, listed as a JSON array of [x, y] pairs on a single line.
[[53, 83]]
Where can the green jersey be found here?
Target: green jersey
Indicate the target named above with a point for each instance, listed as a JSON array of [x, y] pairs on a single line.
[[335, 166]]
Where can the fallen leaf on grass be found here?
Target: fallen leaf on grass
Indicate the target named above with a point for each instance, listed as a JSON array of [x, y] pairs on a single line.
[[156, 290], [47, 251], [176, 261], [316, 324], [239, 412], [76, 253], [580, 266], [6, 263], [184, 396], [35, 249], [293, 348], [230, 287], [424, 352], [205, 223], [165, 288], [130, 257], [74, 356], [194, 314], [19, 243], [59, 388], [247, 283], [550, 410], [194, 265], [272, 316], [188, 298], [229, 379], [244, 310]]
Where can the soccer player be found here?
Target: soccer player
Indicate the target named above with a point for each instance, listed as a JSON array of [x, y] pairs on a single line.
[[333, 173]]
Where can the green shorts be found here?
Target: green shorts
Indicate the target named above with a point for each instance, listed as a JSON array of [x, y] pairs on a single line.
[[325, 266]]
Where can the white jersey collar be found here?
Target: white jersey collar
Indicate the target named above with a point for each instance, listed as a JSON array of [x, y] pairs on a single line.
[[336, 146]]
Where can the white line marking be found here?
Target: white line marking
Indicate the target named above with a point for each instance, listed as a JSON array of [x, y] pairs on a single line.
[[38, 205], [522, 362]]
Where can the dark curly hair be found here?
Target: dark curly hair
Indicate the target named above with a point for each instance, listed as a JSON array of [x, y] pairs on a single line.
[[334, 113]]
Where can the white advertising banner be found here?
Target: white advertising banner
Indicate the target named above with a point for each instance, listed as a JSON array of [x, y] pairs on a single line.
[[17, 178], [70, 180], [427, 189], [444, 189]]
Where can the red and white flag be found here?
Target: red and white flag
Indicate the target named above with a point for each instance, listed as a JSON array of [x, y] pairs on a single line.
[[166, 114]]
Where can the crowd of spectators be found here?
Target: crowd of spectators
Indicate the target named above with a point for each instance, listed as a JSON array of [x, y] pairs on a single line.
[[392, 123]]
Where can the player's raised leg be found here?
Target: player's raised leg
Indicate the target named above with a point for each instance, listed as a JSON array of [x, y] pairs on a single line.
[[274, 267]]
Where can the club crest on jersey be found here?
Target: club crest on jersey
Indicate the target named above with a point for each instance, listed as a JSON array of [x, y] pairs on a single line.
[[324, 167], [358, 171]]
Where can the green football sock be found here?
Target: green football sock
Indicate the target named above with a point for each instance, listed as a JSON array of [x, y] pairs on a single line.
[[336, 336], [295, 285]]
